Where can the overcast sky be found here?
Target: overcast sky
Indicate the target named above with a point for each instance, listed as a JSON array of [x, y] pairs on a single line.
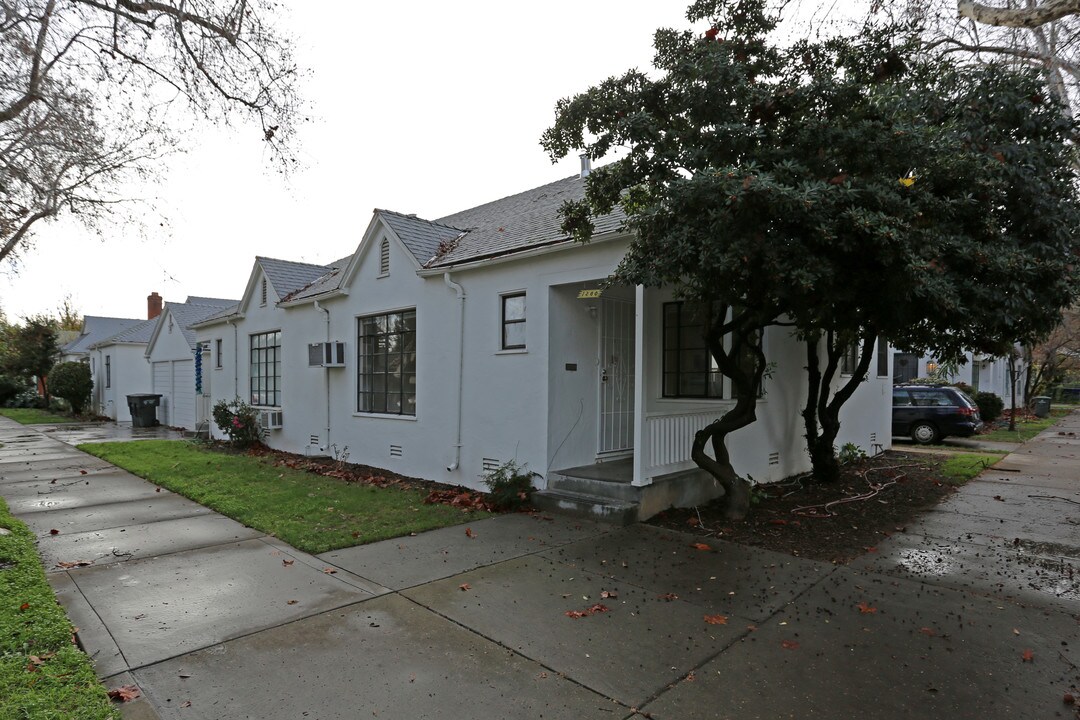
[[421, 107]]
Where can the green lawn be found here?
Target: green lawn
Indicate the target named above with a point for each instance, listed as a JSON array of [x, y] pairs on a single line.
[[961, 467], [33, 416], [1025, 429], [308, 511], [42, 673]]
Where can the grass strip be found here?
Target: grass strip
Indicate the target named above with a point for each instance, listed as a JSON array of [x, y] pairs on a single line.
[[1025, 429], [958, 468], [311, 512], [42, 673], [35, 416]]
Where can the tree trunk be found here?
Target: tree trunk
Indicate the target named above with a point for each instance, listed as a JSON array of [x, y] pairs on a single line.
[[1012, 390], [821, 416], [1029, 17]]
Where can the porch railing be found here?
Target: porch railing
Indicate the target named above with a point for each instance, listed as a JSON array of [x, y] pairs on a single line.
[[668, 439]]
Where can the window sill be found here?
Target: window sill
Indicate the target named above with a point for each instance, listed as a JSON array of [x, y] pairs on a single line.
[[384, 416], [513, 351]]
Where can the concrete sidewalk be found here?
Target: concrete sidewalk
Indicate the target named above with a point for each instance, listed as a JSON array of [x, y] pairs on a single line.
[[214, 620]]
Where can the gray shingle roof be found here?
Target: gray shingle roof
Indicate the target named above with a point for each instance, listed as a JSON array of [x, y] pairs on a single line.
[[187, 314], [288, 277], [422, 237], [135, 334], [518, 222], [223, 313], [97, 328]]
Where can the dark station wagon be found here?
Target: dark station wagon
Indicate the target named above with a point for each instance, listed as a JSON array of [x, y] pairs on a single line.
[[929, 413]]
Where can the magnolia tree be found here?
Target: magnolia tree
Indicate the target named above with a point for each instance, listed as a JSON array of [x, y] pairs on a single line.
[[93, 94], [848, 189]]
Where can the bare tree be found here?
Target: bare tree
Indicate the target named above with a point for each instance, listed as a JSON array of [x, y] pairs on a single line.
[[92, 94], [1029, 14]]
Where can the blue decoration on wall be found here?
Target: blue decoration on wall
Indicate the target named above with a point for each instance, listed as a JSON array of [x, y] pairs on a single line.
[[198, 370]]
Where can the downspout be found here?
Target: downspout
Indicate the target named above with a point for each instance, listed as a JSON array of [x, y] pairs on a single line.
[[461, 368], [326, 373], [235, 359]]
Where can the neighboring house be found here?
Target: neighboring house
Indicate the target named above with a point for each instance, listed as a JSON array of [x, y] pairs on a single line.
[[94, 329], [178, 363], [486, 336], [982, 372], [120, 369]]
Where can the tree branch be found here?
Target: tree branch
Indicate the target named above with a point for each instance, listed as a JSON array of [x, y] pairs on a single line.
[[1031, 17]]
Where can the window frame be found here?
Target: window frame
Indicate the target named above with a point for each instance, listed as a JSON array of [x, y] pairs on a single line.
[[849, 359], [108, 371], [882, 357], [678, 373], [269, 356], [504, 323], [218, 364], [369, 377]]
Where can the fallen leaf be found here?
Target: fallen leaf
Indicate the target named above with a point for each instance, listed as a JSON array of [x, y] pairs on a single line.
[[469, 533], [778, 521], [157, 489], [186, 703], [693, 522], [542, 676], [790, 644], [716, 619], [700, 546], [866, 609], [356, 533], [598, 608], [82, 472], [575, 614], [999, 498], [870, 549], [608, 595], [1016, 631], [24, 607], [287, 563], [465, 586], [54, 531], [77, 563], [929, 632], [690, 676], [1068, 699], [668, 597], [124, 693], [751, 628], [329, 571], [292, 602], [1028, 656]]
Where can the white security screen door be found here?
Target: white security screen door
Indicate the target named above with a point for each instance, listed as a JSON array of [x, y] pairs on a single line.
[[616, 376]]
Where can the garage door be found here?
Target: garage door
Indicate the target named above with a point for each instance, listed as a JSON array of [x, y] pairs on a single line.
[[183, 385], [163, 386]]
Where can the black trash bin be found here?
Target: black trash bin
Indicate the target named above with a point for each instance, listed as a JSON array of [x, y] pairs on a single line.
[[143, 407]]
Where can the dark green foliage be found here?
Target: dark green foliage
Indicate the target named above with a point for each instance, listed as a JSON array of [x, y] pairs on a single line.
[[238, 420], [510, 486], [72, 382], [31, 348], [9, 388], [990, 406], [851, 187]]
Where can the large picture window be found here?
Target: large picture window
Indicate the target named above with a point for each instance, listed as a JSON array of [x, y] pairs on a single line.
[[266, 369], [689, 369], [386, 381]]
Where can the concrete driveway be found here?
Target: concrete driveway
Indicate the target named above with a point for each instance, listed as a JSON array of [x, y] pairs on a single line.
[[214, 620]]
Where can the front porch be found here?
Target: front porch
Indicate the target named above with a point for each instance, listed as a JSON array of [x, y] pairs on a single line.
[[606, 490]]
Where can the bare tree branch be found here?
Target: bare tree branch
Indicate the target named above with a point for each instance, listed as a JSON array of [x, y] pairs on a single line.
[[1030, 17]]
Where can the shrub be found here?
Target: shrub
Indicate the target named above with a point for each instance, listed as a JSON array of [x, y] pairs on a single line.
[[851, 453], [510, 486], [990, 406], [9, 388], [28, 398], [238, 420], [72, 382]]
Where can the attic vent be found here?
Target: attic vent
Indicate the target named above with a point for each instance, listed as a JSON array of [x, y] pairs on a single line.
[[262, 296], [395, 451], [384, 258], [490, 465], [774, 458]]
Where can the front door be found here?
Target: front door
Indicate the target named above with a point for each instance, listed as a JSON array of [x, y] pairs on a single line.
[[905, 368], [616, 376]]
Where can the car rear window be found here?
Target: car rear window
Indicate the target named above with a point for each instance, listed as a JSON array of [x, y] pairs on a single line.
[[932, 398], [967, 400]]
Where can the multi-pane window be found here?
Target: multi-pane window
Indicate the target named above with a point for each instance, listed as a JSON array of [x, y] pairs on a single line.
[[386, 380], [850, 359], [513, 321], [882, 357], [689, 368], [266, 369], [108, 372]]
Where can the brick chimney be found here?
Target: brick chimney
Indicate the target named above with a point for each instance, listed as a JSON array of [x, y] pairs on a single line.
[[153, 306]]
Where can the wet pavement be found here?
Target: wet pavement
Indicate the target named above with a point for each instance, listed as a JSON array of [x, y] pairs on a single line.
[[972, 612]]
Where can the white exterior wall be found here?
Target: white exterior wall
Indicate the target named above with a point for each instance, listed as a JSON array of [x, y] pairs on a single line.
[[993, 376], [130, 375]]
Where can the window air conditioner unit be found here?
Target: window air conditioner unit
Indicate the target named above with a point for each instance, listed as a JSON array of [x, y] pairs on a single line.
[[271, 420], [326, 354]]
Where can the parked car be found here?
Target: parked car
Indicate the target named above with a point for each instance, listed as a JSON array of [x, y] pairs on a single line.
[[929, 413]]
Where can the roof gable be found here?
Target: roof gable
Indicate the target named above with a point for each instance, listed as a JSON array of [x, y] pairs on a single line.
[[184, 316]]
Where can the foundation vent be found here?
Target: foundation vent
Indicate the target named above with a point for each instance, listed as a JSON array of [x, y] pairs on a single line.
[[313, 440], [490, 465], [774, 458], [395, 451], [873, 438]]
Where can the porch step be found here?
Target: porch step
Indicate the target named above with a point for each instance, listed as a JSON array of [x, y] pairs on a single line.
[[593, 507], [616, 491]]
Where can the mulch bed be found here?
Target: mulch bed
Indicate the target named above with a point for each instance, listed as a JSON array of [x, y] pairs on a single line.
[[834, 522]]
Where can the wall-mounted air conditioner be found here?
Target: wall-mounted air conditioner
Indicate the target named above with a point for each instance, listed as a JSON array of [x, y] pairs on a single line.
[[271, 420], [326, 354]]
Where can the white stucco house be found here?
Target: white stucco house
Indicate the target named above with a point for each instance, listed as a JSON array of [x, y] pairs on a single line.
[[177, 363], [95, 328], [119, 368], [984, 373], [442, 349]]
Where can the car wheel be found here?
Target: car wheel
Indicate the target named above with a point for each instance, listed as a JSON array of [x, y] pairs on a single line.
[[925, 433]]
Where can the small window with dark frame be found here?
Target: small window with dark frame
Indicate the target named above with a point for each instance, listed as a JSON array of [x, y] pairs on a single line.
[[108, 371], [882, 357], [689, 369], [850, 359], [217, 354], [513, 321]]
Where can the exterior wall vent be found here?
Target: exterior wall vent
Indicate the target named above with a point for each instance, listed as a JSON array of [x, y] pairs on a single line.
[[313, 440], [774, 458], [395, 451], [490, 465]]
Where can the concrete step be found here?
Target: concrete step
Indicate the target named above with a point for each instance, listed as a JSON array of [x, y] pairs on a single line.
[[592, 507], [607, 489]]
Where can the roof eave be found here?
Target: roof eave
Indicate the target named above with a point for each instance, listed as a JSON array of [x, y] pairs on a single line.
[[336, 292], [551, 246]]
